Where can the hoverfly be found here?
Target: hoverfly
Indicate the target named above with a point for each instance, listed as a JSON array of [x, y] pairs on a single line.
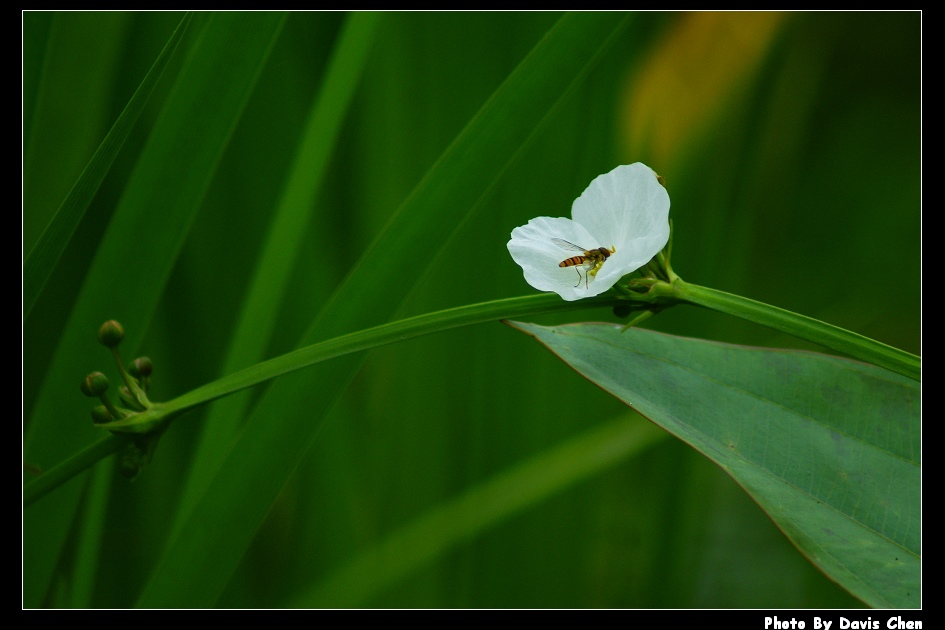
[[591, 259]]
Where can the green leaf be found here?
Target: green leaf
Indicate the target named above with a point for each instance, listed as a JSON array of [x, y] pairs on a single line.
[[830, 448]]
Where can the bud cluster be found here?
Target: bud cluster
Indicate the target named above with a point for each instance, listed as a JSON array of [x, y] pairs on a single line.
[[132, 396]]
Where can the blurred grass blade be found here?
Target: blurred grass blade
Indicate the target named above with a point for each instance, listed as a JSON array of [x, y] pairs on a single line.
[[266, 293], [135, 257], [36, 28], [198, 563], [435, 533], [91, 536], [42, 259], [828, 447]]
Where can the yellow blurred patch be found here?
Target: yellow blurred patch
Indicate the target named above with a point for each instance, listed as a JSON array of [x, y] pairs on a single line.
[[689, 78]]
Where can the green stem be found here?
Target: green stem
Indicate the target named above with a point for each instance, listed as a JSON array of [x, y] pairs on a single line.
[[159, 415], [382, 335], [809, 329], [660, 295], [86, 458]]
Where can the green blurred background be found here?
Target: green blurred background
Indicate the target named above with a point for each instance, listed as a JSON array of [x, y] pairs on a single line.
[[791, 147]]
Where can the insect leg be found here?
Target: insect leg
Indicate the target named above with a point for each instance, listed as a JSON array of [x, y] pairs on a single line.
[[579, 276]]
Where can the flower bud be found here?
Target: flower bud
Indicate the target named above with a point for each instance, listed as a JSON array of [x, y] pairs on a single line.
[[141, 367], [95, 384], [110, 334], [100, 415]]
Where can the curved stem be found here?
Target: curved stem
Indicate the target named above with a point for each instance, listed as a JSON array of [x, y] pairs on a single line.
[[380, 336], [801, 326], [160, 414], [660, 295], [86, 458]]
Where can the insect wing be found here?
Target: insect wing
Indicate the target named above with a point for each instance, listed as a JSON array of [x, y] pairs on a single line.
[[563, 244]]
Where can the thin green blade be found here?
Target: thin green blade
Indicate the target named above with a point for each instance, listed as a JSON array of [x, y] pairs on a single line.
[[267, 291], [45, 254]]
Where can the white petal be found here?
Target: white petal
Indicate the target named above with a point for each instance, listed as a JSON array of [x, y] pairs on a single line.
[[626, 209], [629, 209], [533, 248]]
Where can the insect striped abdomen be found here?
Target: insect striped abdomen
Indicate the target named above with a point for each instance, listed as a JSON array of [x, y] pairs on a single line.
[[572, 262]]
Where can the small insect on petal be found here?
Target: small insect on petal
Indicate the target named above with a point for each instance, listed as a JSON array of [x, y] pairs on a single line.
[[591, 259]]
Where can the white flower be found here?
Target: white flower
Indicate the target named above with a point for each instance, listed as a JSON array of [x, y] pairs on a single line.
[[625, 211]]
